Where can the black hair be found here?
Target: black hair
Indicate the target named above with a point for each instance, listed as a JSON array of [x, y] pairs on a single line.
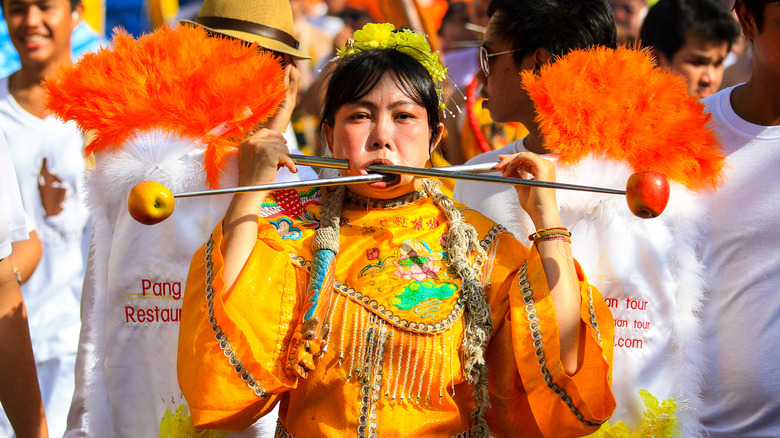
[[756, 9], [669, 23], [559, 26], [356, 75]]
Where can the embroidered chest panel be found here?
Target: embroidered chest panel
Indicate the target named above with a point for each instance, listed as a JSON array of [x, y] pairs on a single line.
[[408, 285], [392, 258]]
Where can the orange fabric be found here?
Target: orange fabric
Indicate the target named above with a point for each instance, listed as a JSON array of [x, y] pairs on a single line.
[[371, 7], [616, 104], [174, 80], [387, 255], [430, 16]]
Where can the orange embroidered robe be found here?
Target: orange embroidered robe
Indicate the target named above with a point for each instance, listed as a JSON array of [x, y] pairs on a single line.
[[392, 366]]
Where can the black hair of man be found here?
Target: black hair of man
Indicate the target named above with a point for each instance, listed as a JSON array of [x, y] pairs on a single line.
[[756, 9], [670, 23], [559, 26]]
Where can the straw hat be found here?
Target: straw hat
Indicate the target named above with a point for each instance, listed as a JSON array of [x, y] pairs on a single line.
[[266, 22]]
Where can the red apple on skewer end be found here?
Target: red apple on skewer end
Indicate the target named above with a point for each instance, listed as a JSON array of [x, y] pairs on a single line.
[[150, 202], [647, 193]]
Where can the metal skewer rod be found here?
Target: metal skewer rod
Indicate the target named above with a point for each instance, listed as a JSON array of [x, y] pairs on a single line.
[[468, 172], [356, 179], [335, 163], [383, 175], [436, 173]]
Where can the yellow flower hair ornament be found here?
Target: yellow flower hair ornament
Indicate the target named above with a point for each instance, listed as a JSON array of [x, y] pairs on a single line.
[[414, 44]]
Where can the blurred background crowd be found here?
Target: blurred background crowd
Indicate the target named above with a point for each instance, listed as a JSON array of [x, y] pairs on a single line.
[[456, 28]]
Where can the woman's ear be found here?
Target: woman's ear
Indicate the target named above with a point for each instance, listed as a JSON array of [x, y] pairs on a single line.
[[437, 140], [327, 132]]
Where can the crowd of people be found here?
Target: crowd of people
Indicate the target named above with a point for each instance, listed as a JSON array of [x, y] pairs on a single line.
[[405, 306]]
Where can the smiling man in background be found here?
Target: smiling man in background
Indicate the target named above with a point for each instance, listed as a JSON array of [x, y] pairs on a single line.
[[47, 157]]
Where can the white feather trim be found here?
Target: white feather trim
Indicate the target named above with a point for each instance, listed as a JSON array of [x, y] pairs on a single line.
[[174, 162], [682, 220]]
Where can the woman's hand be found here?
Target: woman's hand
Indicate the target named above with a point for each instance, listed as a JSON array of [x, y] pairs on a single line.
[[260, 156], [540, 203]]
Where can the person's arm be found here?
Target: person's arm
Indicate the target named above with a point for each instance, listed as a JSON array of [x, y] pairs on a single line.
[[259, 158], [292, 80], [524, 315], [26, 255], [541, 205], [20, 394]]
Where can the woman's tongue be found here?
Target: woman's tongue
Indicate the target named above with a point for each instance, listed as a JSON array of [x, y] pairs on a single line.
[[392, 180]]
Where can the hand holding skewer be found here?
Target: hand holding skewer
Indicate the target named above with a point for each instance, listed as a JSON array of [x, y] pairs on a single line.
[[647, 192]]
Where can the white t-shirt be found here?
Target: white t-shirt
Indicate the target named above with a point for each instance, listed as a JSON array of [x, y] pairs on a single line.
[[646, 270], [12, 221], [742, 259], [47, 156]]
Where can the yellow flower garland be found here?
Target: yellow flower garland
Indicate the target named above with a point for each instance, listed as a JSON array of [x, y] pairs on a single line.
[[658, 421], [179, 425], [386, 36]]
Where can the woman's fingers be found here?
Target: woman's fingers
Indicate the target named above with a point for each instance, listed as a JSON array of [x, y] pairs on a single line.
[[527, 165], [539, 202], [261, 155]]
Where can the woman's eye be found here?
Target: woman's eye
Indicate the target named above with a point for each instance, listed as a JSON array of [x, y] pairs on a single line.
[[405, 116]]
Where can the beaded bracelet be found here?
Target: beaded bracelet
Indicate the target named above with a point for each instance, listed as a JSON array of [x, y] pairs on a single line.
[[557, 231], [563, 237]]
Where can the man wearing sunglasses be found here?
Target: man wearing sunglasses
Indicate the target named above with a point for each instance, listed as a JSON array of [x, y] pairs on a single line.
[[645, 269], [525, 35]]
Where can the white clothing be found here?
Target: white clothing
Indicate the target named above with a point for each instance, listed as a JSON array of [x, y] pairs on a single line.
[[47, 156], [126, 380], [13, 226], [304, 172], [646, 269], [742, 312]]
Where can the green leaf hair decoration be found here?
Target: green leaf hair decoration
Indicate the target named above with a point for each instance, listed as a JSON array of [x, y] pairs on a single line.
[[414, 44]]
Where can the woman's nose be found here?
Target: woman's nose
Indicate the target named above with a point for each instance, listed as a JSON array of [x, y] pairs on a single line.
[[381, 136]]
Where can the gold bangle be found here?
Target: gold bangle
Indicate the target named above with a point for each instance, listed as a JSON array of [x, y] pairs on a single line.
[[557, 231]]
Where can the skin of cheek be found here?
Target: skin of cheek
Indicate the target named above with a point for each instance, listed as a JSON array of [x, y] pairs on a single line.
[[358, 137]]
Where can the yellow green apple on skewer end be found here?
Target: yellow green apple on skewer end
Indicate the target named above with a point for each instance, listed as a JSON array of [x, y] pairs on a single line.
[[150, 202]]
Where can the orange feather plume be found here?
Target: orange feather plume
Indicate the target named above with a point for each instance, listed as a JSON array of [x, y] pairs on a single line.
[[176, 80], [616, 104]]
